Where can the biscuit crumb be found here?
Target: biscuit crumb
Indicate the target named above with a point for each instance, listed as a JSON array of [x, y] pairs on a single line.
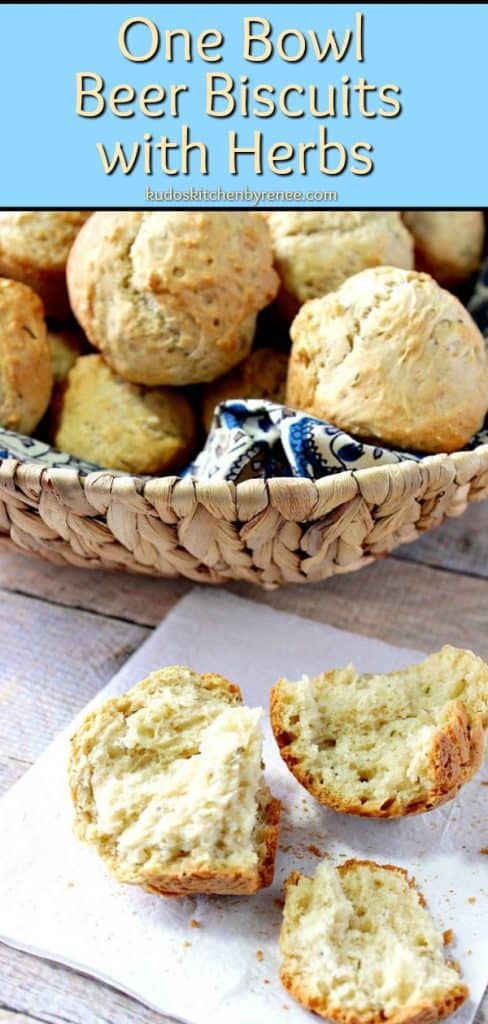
[[310, 749], [471, 899], [279, 903], [358, 890], [267, 981], [186, 943], [259, 955], [484, 849], [194, 923], [448, 936], [315, 850]]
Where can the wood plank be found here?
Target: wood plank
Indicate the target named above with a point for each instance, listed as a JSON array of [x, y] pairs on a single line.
[[459, 544], [53, 661], [404, 604], [11, 769], [141, 599], [37, 990]]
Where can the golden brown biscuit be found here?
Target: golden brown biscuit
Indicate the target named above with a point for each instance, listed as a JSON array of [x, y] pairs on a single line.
[[448, 243], [261, 375], [25, 363], [316, 250], [34, 247], [359, 947], [65, 347], [391, 357], [167, 783], [384, 746], [171, 298], [102, 418]]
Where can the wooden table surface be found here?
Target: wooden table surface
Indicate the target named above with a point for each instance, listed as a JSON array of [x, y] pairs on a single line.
[[64, 633]]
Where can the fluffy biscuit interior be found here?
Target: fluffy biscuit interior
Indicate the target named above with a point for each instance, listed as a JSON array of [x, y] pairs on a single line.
[[172, 782], [359, 941], [367, 739]]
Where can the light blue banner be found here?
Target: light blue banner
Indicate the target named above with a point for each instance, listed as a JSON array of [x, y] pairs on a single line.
[[336, 104]]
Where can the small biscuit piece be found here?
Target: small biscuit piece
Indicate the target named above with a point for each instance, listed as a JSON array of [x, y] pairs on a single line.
[[391, 357], [359, 947], [25, 363], [34, 247], [448, 244], [102, 418], [261, 375], [384, 746], [316, 250], [171, 298], [65, 347], [167, 784]]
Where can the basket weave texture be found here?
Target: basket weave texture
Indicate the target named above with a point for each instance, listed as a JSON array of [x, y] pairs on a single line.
[[266, 532]]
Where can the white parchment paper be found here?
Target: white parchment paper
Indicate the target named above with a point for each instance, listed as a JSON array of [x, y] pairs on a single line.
[[216, 959]]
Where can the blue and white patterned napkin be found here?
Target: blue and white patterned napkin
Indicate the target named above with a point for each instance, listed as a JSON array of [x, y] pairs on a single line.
[[259, 439]]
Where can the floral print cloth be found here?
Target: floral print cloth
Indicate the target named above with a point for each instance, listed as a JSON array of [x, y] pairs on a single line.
[[258, 439]]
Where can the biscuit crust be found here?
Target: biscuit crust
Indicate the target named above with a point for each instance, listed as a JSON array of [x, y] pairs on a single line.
[[229, 882], [426, 1012], [171, 298], [455, 747], [182, 877], [65, 347], [315, 251], [26, 376], [448, 244], [261, 375], [391, 357], [34, 247], [100, 417]]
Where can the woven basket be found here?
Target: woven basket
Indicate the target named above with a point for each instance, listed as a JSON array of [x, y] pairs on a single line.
[[266, 532]]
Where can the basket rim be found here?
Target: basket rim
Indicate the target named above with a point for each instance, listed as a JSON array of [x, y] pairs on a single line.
[[272, 531], [465, 462]]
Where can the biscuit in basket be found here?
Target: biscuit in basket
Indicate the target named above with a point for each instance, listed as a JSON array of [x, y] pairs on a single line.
[[261, 375], [448, 243], [384, 746], [359, 947], [167, 784], [25, 362], [34, 247], [99, 417], [316, 250], [171, 298], [65, 347], [391, 357]]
